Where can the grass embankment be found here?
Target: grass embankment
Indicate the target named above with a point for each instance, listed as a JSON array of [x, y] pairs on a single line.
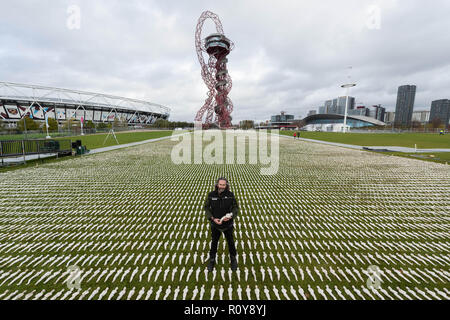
[[440, 157], [423, 140], [94, 141]]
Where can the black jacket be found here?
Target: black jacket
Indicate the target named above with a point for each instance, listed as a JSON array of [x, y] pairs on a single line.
[[216, 206]]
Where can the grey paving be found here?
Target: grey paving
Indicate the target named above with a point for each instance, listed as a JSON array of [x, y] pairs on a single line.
[[27, 157]]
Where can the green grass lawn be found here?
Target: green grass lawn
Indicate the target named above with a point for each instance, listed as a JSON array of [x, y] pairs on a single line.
[[95, 141], [440, 157], [423, 140], [133, 221]]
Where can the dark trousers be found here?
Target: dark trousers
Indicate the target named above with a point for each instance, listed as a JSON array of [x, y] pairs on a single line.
[[215, 236]]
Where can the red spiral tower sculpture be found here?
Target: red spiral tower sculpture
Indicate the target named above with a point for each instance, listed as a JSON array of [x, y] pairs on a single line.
[[214, 73]]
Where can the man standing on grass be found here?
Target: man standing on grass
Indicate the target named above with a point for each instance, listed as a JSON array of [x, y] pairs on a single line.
[[218, 203]]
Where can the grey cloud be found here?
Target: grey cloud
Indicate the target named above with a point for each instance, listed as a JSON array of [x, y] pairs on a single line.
[[289, 55]]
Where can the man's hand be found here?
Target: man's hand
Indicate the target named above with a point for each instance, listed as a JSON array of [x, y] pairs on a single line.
[[217, 221], [227, 217]]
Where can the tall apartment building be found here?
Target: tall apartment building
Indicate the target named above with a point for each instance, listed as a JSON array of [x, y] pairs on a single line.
[[440, 109], [405, 105]]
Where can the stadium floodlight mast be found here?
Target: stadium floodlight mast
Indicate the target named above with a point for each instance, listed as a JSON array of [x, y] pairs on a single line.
[[347, 87]]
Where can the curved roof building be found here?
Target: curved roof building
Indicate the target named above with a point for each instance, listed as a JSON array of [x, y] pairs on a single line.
[[335, 122]]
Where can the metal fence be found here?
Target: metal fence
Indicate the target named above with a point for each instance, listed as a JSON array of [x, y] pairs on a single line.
[[13, 134], [17, 148]]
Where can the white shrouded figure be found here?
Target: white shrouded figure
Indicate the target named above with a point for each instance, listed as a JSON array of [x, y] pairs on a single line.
[[257, 292], [140, 293], [230, 292], [267, 293], [149, 293], [194, 293], [213, 291], [311, 292], [131, 293], [221, 290]]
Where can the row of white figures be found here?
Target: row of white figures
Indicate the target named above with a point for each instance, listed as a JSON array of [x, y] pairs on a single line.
[[304, 245], [197, 221], [365, 226], [161, 259], [306, 219], [121, 245], [182, 274], [256, 293], [85, 260], [172, 235], [355, 258]]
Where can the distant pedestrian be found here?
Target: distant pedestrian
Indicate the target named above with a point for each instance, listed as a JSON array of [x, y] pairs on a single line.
[[295, 135], [441, 132], [298, 134]]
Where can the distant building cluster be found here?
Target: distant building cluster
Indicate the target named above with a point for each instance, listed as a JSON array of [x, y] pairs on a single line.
[[337, 106], [330, 116], [281, 119]]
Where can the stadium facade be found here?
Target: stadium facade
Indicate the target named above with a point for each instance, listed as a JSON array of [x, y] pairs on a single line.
[[19, 100]]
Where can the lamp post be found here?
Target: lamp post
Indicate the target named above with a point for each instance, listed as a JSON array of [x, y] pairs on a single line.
[[46, 125], [347, 87], [25, 126]]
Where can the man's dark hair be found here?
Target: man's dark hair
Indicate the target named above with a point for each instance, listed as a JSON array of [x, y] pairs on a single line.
[[217, 184]]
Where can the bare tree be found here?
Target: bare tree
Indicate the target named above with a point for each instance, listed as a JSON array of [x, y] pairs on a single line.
[[436, 122]]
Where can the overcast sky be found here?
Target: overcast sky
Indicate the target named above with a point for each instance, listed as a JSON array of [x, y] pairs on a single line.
[[289, 55]]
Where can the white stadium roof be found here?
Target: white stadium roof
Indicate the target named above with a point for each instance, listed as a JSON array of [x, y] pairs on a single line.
[[48, 95]]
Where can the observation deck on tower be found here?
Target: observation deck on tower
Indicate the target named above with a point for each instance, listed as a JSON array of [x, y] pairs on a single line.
[[217, 44]]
